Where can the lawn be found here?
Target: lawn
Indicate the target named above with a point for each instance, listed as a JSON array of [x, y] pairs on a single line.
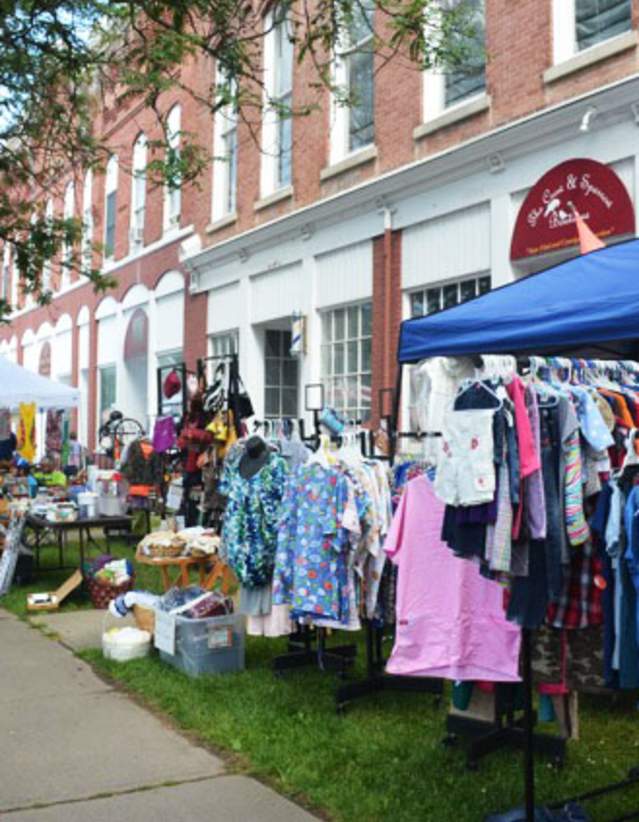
[[383, 759]]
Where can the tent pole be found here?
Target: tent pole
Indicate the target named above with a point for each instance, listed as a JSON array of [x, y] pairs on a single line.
[[529, 756]]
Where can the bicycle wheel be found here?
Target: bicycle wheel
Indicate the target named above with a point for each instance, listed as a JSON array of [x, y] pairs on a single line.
[[127, 430]]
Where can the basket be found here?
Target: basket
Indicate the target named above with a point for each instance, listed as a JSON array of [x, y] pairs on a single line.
[[162, 545], [144, 618], [102, 594]]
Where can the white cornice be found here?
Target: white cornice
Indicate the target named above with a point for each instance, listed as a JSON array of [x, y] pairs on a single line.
[[550, 126]]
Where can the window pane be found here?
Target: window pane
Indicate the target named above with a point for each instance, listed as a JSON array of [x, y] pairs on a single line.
[[450, 295], [340, 324], [285, 145], [351, 361], [326, 360], [272, 372], [352, 398], [289, 402], [417, 304], [484, 285], [109, 238], [468, 290], [339, 393], [598, 20], [361, 26], [367, 319], [338, 359], [272, 343], [290, 372], [361, 88], [434, 300], [367, 346], [230, 148], [327, 326], [352, 315], [272, 402]]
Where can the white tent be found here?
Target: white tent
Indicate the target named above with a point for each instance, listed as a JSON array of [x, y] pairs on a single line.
[[17, 385]]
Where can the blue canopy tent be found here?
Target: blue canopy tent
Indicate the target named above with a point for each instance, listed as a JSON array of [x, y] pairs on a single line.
[[587, 305]]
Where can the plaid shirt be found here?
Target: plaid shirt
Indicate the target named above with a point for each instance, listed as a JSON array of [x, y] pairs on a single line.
[[579, 605]]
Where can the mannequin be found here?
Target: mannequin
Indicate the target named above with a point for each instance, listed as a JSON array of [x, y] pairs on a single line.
[[254, 458]]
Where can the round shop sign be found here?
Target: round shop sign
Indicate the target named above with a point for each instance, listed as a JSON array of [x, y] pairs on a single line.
[[547, 222]]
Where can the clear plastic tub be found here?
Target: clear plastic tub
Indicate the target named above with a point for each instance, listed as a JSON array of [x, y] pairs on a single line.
[[208, 646]]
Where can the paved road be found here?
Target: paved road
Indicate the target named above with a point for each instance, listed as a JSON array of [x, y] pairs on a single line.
[[74, 749]]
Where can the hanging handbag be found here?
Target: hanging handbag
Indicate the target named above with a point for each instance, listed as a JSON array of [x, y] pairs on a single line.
[[239, 400]]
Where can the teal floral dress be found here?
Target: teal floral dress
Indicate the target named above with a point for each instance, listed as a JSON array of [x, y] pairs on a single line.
[[249, 527]]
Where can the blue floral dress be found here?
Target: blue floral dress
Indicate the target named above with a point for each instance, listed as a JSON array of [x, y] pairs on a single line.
[[311, 564], [249, 527]]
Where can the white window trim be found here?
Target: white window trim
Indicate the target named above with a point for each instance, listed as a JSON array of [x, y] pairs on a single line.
[[340, 115], [564, 50], [6, 269], [138, 209], [224, 122], [171, 220], [269, 167], [67, 249], [111, 187], [434, 100], [87, 221]]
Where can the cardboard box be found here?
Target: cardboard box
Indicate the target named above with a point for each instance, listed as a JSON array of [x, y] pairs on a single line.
[[50, 600]]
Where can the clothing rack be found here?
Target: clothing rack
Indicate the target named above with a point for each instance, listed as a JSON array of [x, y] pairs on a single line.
[[521, 734], [376, 680]]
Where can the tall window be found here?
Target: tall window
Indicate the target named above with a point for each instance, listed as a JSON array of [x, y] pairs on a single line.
[[436, 298], [346, 359], [6, 271], [110, 207], [469, 79], [108, 376], [67, 249], [354, 125], [173, 190], [446, 87], [138, 193], [48, 264], [580, 24], [280, 375], [277, 127], [225, 148], [87, 221]]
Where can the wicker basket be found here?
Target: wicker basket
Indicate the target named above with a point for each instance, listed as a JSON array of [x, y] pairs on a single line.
[[158, 546], [102, 594], [144, 618]]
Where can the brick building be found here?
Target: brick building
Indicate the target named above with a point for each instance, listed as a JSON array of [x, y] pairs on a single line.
[[354, 218]]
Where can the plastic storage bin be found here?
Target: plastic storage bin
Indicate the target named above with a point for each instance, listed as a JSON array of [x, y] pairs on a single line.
[[208, 646]]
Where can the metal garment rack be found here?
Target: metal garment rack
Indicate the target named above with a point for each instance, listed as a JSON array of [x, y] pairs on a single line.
[[523, 735], [376, 680], [161, 372]]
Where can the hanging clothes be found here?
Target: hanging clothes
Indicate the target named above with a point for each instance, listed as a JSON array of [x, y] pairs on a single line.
[[450, 621], [164, 436], [54, 433], [27, 431], [143, 466], [249, 528]]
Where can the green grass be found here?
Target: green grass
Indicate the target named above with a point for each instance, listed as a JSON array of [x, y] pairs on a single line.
[[383, 759]]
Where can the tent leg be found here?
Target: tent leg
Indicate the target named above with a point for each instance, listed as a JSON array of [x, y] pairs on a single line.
[[529, 721]]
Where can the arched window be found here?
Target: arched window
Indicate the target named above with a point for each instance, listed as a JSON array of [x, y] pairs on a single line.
[[138, 193]]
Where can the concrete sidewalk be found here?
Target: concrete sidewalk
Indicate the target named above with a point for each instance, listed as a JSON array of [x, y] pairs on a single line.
[[75, 749]]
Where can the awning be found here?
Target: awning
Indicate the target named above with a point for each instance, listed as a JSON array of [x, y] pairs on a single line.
[[18, 384], [585, 306]]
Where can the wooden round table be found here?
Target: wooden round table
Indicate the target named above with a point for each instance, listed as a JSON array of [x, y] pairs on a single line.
[[207, 576]]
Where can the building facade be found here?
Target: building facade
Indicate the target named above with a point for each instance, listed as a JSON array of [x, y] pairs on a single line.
[[352, 218]]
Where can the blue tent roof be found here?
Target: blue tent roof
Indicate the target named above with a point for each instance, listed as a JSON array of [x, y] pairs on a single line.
[[590, 300]]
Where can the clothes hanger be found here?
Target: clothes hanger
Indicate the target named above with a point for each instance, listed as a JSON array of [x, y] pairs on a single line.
[[468, 384]]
